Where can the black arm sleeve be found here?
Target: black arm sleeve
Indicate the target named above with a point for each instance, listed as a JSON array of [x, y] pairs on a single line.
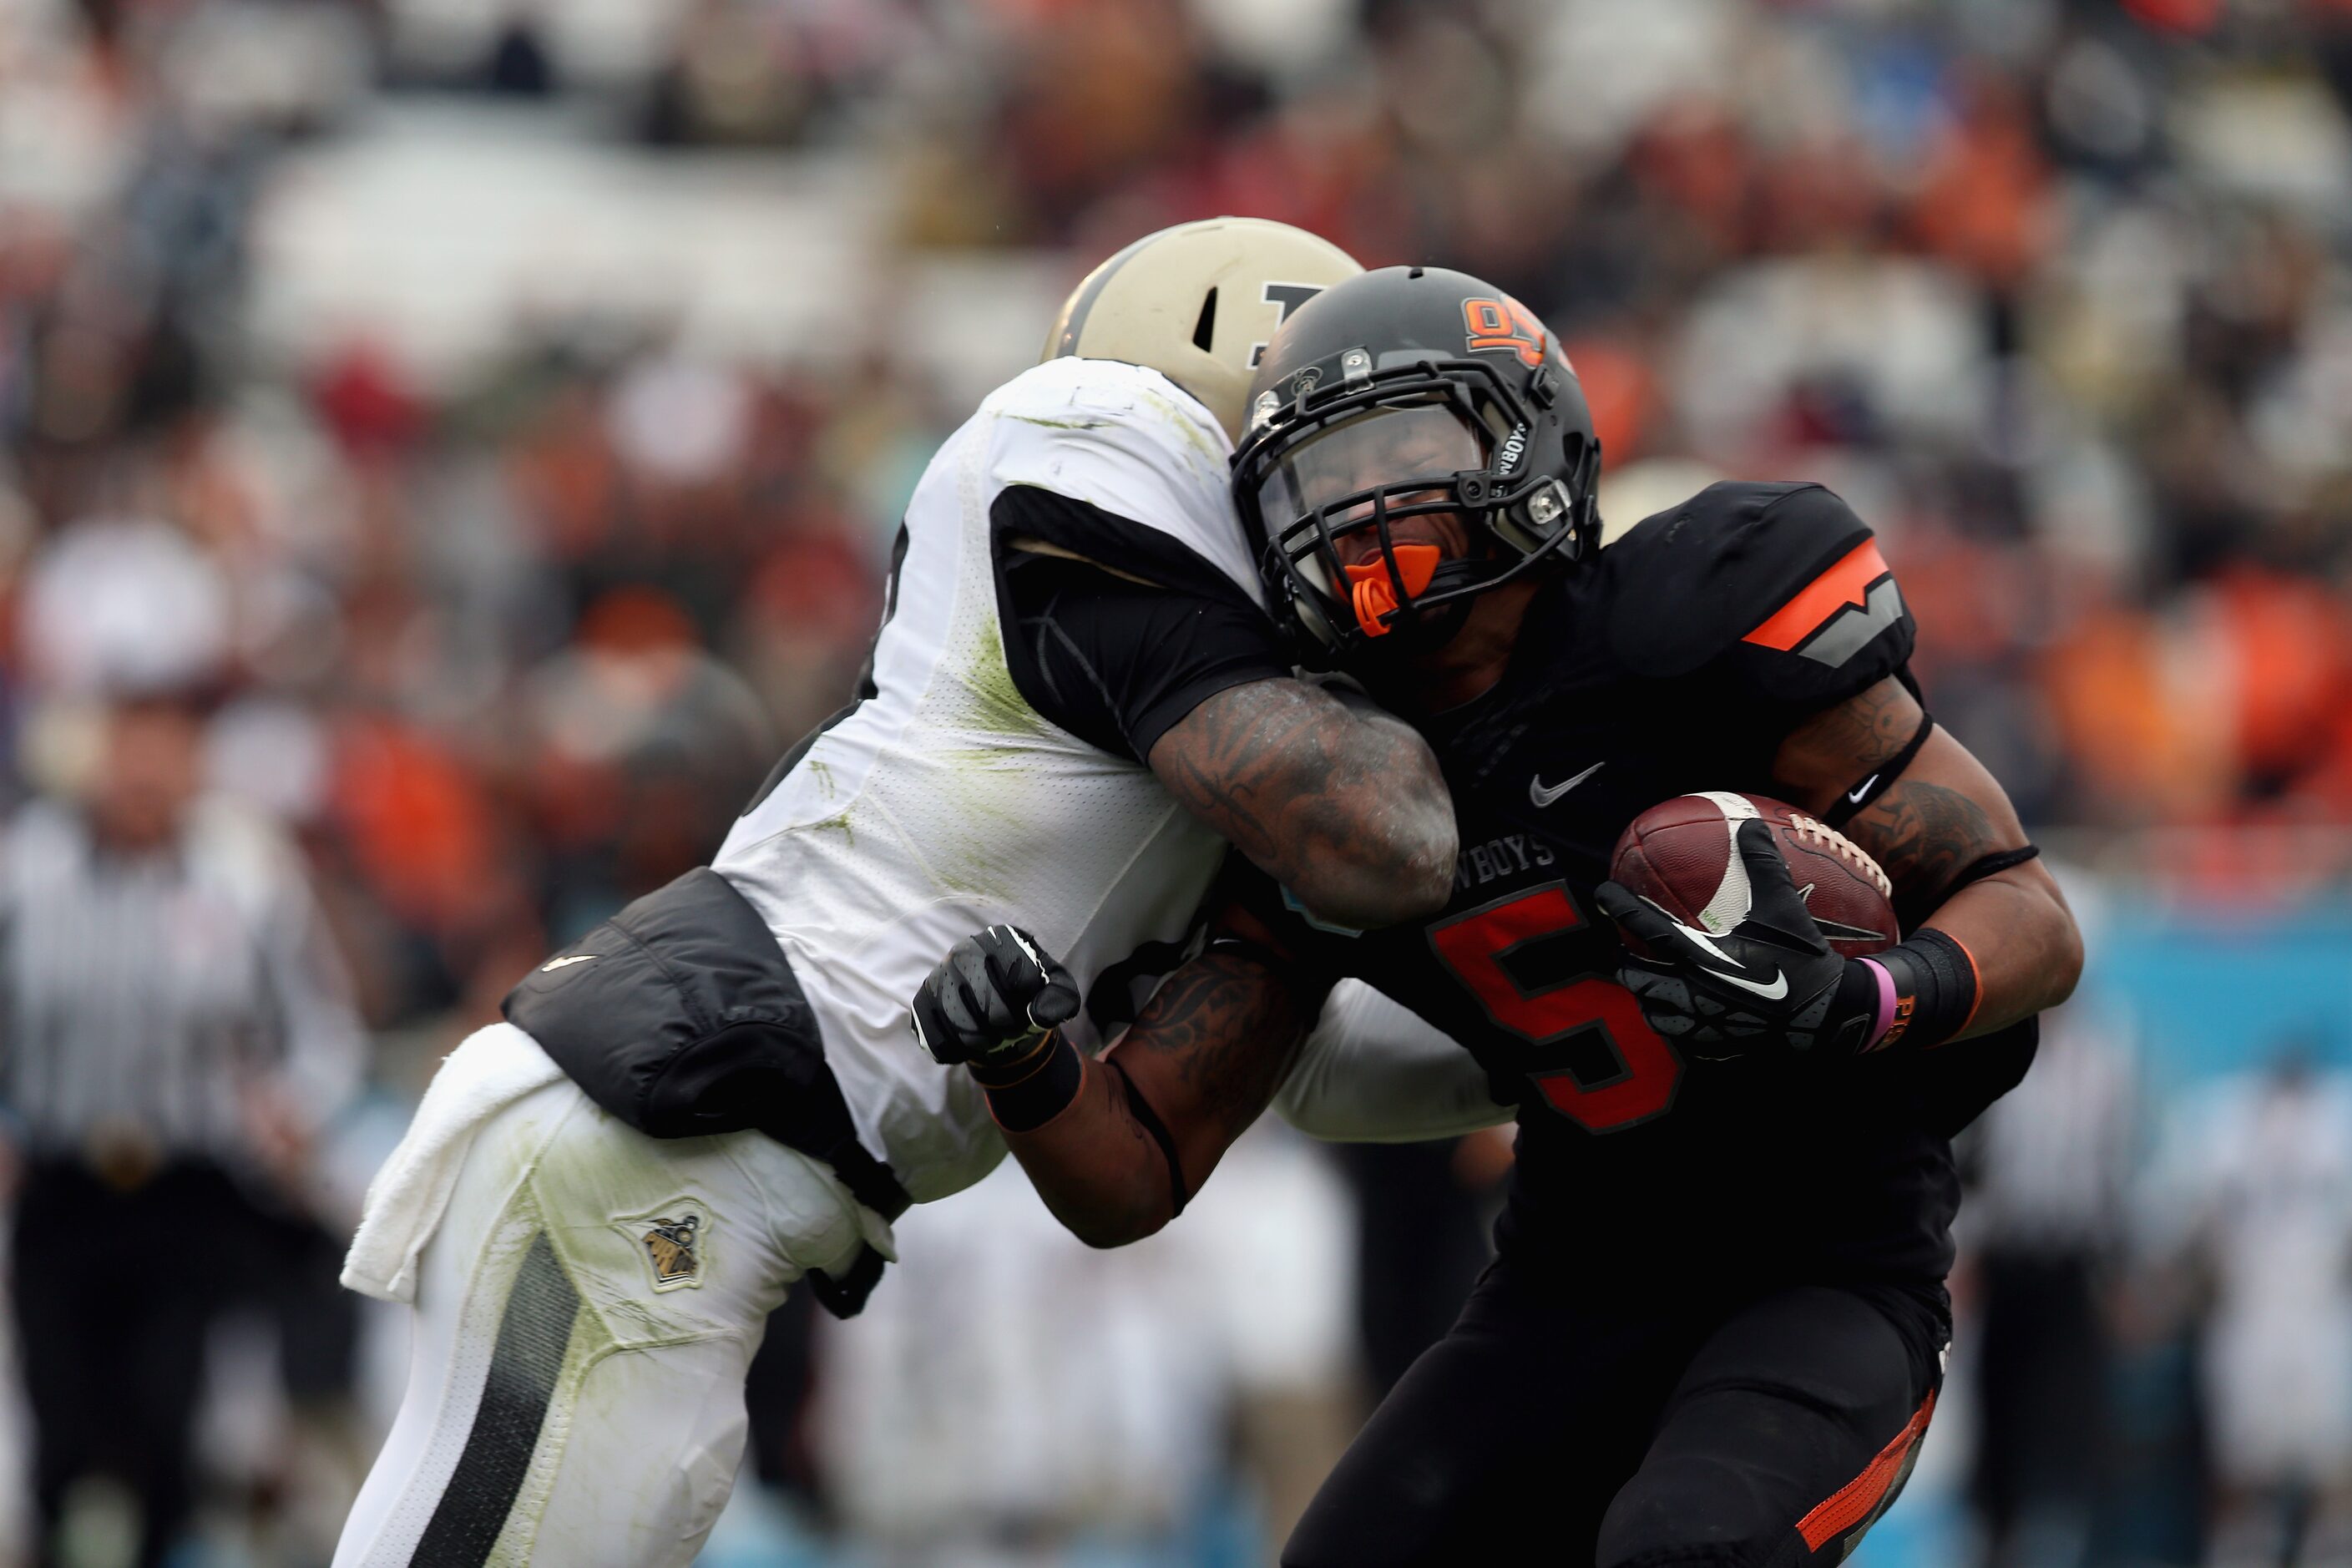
[[1115, 662]]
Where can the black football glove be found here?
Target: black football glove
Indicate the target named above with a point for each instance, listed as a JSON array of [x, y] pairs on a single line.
[[1770, 982], [991, 998]]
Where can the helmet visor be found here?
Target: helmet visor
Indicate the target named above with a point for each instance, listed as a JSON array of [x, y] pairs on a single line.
[[1390, 445]]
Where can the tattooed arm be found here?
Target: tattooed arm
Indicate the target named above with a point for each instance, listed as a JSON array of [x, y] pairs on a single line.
[[1340, 802], [1230, 1032], [1942, 816], [1204, 1060]]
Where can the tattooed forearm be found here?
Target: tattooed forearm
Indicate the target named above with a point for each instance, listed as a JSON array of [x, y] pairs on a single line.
[[1226, 1033], [1924, 836], [1942, 816], [1096, 1166], [1206, 1056], [1925, 827], [2014, 924], [1346, 808]]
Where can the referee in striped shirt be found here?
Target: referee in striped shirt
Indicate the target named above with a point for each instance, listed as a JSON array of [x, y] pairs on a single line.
[[173, 1027]]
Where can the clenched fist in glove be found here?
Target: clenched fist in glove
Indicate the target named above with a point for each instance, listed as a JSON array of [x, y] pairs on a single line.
[[990, 1000]]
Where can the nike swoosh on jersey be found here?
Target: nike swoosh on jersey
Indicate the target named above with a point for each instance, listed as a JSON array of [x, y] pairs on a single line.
[[567, 961], [1856, 794], [1544, 795]]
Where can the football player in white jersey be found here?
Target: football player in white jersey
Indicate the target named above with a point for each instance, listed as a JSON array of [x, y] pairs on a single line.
[[1076, 701]]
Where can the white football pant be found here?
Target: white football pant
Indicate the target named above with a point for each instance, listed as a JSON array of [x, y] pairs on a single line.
[[586, 1312]]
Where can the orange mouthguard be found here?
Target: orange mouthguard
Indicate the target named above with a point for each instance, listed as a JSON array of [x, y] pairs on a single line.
[[1374, 594]]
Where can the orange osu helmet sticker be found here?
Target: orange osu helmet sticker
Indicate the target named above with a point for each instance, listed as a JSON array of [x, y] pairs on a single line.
[[1505, 323]]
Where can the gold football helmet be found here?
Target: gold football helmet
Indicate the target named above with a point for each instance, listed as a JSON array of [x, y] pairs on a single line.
[[1197, 302]]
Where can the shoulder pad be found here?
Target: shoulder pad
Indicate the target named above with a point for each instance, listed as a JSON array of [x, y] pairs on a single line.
[[1781, 584], [1127, 441]]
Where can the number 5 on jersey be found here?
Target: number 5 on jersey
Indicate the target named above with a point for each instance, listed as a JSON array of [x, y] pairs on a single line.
[[1598, 1062]]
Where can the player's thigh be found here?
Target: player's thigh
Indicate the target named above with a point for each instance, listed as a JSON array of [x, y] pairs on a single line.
[[1790, 1431], [657, 1441], [1513, 1429], [586, 1312], [680, 1249]]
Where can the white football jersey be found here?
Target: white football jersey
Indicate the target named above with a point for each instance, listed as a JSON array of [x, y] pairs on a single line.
[[944, 803]]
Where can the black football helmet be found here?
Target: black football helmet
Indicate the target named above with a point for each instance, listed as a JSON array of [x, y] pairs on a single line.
[[1404, 392]]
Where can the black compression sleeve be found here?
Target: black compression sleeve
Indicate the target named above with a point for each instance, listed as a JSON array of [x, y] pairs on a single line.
[[1119, 663]]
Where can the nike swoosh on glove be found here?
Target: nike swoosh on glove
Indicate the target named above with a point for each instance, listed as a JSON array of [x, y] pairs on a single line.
[[991, 998], [1771, 981]]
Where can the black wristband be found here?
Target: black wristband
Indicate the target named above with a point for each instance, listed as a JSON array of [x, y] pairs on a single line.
[[1934, 989], [1027, 1094]]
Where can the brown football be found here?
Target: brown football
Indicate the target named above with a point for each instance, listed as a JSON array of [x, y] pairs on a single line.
[[1680, 854]]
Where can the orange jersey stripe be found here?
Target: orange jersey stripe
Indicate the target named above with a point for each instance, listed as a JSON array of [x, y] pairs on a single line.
[[1847, 583], [1852, 1503]]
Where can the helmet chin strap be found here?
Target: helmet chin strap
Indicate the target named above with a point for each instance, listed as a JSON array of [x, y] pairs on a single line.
[[1456, 574]]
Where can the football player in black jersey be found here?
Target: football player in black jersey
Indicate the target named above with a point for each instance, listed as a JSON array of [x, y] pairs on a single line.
[[1714, 1330]]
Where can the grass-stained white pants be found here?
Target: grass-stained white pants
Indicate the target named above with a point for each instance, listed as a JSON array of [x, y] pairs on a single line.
[[586, 1312]]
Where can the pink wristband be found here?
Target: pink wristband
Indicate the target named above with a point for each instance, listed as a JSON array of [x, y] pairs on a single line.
[[1885, 1004]]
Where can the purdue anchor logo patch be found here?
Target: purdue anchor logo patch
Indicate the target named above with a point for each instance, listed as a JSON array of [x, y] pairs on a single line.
[[673, 1243]]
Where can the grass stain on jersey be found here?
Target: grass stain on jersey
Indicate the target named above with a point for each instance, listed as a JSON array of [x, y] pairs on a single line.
[[1189, 427], [991, 784], [821, 771], [999, 708], [985, 858], [1060, 424]]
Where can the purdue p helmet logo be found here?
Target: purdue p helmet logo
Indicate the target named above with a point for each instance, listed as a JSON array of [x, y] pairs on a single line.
[[672, 1243]]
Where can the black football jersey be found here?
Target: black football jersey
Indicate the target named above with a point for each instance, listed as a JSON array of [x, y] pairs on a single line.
[[1676, 661]]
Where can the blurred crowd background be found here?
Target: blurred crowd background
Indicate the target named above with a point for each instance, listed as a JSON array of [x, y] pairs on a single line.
[[456, 442]]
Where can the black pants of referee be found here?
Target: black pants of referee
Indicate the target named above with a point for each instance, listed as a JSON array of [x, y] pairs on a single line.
[[1765, 1431], [115, 1292]]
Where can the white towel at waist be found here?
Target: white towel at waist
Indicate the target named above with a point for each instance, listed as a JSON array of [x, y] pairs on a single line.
[[494, 1067]]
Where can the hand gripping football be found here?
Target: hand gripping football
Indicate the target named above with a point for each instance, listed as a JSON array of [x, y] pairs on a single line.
[[1681, 856]]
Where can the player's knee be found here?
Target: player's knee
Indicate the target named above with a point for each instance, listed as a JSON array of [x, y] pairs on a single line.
[[1692, 1510]]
